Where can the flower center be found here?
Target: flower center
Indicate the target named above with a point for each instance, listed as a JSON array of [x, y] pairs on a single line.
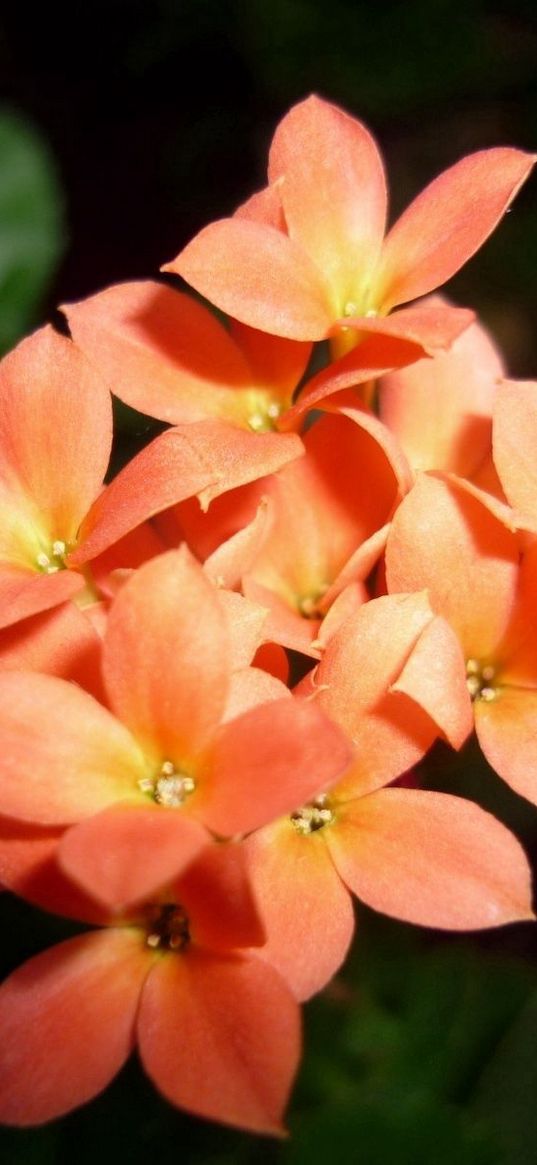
[[170, 787], [167, 927], [309, 605], [479, 680], [313, 816], [263, 419], [55, 559]]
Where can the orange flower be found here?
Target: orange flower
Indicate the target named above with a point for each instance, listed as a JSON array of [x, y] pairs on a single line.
[[218, 1031], [308, 257], [453, 540], [167, 745], [428, 858]]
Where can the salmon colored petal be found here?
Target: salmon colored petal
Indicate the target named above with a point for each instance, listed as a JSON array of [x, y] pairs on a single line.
[[365, 658], [246, 627], [434, 677], [56, 425], [251, 686], [63, 756], [268, 761], [441, 409], [29, 868], [67, 1021], [431, 859], [505, 729], [265, 207], [260, 276], [220, 1038], [219, 900], [236, 555], [355, 570], [161, 352], [333, 192], [304, 905], [515, 443], [283, 625], [517, 655], [129, 852], [374, 356], [165, 657], [61, 642], [449, 221], [444, 539], [23, 593], [274, 361], [432, 325], [346, 603], [361, 663], [203, 459]]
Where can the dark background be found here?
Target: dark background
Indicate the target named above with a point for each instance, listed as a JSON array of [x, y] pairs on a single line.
[[159, 114], [154, 119]]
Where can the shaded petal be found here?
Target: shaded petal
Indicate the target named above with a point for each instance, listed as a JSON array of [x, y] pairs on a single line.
[[251, 686], [203, 459], [268, 761], [449, 221], [24, 593], [434, 677], [165, 657], [432, 325], [431, 859], [444, 539], [274, 361], [63, 755], [56, 425], [333, 191], [374, 356], [161, 352], [60, 642], [217, 895], [515, 443], [305, 906], [129, 852], [220, 1038], [260, 276], [29, 868], [441, 409], [67, 1021], [505, 729]]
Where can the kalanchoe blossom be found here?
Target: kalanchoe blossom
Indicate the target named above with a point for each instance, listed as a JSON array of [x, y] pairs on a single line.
[[448, 539], [167, 743], [424, 857], [310, 259], [218, 1031]]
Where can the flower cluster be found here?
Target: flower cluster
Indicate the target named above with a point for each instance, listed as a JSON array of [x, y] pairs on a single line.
[[162, 779]]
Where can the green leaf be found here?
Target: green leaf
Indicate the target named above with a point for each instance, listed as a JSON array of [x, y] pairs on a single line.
[[31, 225]]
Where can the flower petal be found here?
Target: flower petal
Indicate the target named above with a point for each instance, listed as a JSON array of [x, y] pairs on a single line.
[[449, 221], [333, 190], [304, 905], [161, 352], [67, 1021], [129, 852], [260, 276], [431, 859], [221, 1038], [63, 755], [268, 761], [165, 657]]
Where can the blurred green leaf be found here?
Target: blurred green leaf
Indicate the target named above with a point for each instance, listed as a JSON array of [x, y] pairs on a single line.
[[507, 1096], [31, 225]]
